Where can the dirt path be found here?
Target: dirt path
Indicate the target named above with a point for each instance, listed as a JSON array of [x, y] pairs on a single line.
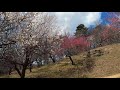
[[113, 76]]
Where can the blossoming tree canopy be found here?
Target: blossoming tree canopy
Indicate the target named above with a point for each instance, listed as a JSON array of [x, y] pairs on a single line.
[[71, 42]]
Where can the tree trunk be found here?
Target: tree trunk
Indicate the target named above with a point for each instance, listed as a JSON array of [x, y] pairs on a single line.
[[25, 67], [30, 67], [18, 71], [10, 70], [26, 63], [71, 60], [23, 72], [53, 59]]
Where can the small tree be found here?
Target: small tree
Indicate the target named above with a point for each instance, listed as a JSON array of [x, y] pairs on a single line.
[[72, 45]]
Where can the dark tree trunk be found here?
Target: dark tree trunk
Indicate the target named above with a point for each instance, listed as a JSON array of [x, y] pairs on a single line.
[[10, 70], [71, 60], [26, 63], [23, 72], [20, 67], [30, 67], [25, 66], [53, 59], [18, 71]]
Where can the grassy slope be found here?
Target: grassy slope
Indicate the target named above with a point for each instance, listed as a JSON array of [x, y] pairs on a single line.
[[109, 63], [105, 65]]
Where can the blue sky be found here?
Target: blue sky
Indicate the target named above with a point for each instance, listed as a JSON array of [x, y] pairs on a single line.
[[70, 20], [104, 15]]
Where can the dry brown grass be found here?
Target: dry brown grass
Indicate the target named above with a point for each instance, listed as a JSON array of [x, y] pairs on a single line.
[[109, 63], [105, 65]]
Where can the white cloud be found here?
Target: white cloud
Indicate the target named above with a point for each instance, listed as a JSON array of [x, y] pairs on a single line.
[[72, 19]]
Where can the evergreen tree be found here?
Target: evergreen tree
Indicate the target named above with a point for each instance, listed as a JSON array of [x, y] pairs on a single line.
[[81, 30]]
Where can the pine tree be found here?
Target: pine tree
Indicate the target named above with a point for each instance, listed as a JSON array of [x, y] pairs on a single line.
[[81, 30]]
